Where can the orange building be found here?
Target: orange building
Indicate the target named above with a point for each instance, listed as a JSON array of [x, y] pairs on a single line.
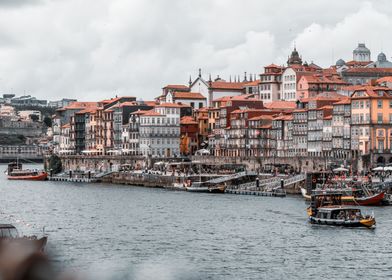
[[371, 123]]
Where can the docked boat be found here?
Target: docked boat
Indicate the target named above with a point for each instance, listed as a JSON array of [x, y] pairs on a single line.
[[351, 198], [16, 172], [9, 233], [205, 187], [326, 209]]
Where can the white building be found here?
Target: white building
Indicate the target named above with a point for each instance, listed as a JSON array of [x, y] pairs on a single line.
[[159, 131], [64, 139], [270, 83], [25, 114], [217, 88]]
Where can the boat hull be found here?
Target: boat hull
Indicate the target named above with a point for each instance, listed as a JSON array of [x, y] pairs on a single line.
[[373, 200], [368, 223], [40, 177]]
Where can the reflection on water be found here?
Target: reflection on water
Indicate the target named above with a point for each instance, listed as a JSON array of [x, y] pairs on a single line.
[[140, 233]]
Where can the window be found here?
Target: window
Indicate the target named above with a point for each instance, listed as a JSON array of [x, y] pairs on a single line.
[[200, 105], [379, 104], [379, 118], [193, 104]]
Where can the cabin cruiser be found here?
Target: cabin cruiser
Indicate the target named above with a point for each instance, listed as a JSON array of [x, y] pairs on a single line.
[[8, 233]]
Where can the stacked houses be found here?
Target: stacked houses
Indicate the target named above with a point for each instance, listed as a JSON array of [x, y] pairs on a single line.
[[300, 110]]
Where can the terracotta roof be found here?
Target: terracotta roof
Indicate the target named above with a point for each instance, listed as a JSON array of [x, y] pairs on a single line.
[[67, 125], [188, 120], [252, 84], [371, 91], [323, 79], [328, 117], [250, 97], [188, 95], [273, 66], [80, 105], [284, 117], [385, 79], [87, 110], [151, 113], [228, 85], [360, 63], [172, 105], [352, 88], [261, 117], [176, 86], [369, 70], [280, 105], [106, 101], [344, 101]]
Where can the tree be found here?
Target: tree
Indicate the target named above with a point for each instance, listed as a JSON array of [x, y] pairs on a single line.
[[55, 164], [48, 121], [34, 117]]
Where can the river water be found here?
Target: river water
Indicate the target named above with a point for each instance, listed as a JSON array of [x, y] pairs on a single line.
[[117, 232]]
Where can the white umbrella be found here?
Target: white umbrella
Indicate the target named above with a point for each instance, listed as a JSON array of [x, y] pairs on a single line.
[[388, 168], [340, 169], [380, 168]]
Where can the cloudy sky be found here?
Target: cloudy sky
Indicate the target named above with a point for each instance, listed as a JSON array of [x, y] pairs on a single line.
[[94, 49]]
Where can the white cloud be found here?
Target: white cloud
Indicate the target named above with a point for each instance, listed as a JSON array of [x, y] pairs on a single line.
[[93, 49]]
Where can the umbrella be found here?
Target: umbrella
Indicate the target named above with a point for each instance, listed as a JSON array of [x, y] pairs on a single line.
[[388, 168], [380, 168], [340, 169]]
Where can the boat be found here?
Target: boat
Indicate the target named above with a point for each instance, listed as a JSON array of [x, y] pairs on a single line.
[[326, 209], [205, 187], [369, 200], [15, 172], [9, 233]]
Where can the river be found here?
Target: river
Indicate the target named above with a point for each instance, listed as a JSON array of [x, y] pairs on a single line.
[[122, 232]]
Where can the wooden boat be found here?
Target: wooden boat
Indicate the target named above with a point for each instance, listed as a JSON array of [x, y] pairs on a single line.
[[341, 216], [15, 172], [327, 209], [372, 200]]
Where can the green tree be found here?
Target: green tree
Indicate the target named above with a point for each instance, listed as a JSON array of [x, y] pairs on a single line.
[[34, 117], [55, 164], [48, 121]]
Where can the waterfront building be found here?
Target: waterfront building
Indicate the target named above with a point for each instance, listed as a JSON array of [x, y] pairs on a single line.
[[225, 106], [189, 139], [159, 130], [202, 117], [315, 125], [64, 146], [300, 130], [316, 84], [252, 87], [270, 83], [341, 129], [260, 138], [281, 135], [371, 124]]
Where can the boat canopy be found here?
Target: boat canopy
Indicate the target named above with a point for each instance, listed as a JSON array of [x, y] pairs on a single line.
[[8, 231]]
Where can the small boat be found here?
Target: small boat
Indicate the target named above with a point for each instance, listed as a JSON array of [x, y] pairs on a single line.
[[15, 172], [327, 209], [341, 216], [206, 188], [371, 200], [9, 233]]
